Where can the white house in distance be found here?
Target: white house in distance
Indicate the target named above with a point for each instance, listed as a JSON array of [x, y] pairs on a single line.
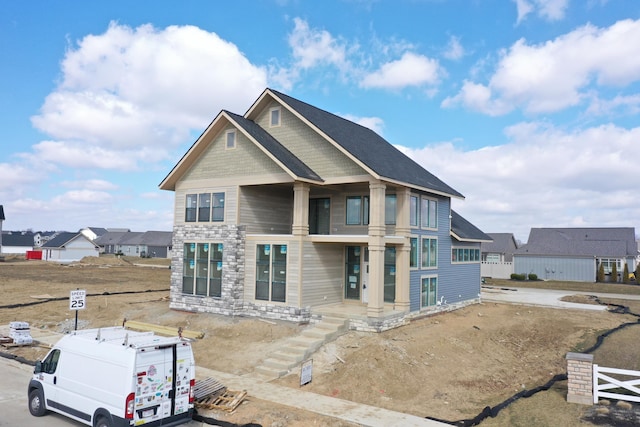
[[69, 247]]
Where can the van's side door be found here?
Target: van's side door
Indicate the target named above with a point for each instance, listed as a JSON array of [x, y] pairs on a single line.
[[48, 377]]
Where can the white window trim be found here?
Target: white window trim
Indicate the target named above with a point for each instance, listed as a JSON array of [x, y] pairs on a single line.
[[422, 239], [429, 276], [226, 140], [421, 213], [418, 260], [478, 261], [271, 124]]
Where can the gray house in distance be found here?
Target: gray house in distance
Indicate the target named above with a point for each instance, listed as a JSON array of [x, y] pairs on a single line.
[[497, 255], [575, 254], [154, 244]]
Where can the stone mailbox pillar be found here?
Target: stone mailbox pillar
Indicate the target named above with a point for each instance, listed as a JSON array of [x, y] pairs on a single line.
[[580, 378]]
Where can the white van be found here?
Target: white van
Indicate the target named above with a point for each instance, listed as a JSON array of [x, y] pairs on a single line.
[[114, 377]]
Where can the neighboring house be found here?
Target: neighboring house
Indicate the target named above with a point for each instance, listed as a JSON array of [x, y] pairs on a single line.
[[153, 244], [69, 247], [17, 242], [575, 254], [497, 256], [92, 233], [290, 210]]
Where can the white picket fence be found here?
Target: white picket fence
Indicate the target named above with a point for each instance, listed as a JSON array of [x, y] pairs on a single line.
[[610, 383]]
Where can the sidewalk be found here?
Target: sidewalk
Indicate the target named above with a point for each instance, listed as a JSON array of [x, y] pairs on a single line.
[[363, 415]]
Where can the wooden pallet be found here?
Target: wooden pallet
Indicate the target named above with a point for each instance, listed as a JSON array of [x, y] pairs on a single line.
[[226, 401]]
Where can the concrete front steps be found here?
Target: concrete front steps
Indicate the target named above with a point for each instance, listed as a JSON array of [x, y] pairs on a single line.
[[299, 348]]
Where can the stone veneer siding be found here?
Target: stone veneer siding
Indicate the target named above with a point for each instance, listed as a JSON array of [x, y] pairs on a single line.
[[233, 238], [580, 378], [231, 301]]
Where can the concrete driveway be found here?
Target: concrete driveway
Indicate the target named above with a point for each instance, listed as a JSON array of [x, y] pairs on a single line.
[[545, 297]]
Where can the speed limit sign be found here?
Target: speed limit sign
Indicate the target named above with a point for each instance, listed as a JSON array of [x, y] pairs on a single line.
[[78, 299]]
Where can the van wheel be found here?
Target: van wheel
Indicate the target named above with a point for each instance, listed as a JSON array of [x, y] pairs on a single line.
[[102, 422], [36, 403]]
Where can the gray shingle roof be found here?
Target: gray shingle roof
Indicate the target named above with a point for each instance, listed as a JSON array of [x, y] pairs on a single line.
[[62, 239], [503, 243], [17, 239], [368, 147], [293, 163], [131, 238], [596, 242], [464, 230]]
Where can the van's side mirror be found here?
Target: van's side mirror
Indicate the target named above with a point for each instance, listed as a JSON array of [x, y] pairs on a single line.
[[38, 368]]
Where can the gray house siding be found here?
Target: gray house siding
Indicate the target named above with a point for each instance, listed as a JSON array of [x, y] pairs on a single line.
[[556, 268]]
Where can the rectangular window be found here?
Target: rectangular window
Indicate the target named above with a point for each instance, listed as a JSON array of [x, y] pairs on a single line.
[[608, 265], [413, 255], [231, 139], [390, 209], [204, 207], [188, 267], [429, 253], [202, 269], [191, 207], [459, 255], [429, 291], [271, 272], [389, 274], [414, 211], [218, 207], [274, 117], [429, 213], [319, 216], [357, 210], [354, 210], [215, 270]]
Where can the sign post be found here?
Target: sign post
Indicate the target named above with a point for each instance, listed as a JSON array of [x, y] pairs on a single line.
[[77, 301]]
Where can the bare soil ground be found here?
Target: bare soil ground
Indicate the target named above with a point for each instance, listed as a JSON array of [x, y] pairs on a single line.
[[448, 366]]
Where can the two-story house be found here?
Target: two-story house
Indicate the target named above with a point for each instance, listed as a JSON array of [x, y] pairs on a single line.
[[289, 210]]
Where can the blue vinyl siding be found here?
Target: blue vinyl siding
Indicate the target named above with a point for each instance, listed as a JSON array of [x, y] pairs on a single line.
[[456, 282]]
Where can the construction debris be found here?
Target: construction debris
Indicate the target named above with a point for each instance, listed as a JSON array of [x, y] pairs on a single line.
[[162, 330], [20, 333], [211, 394]]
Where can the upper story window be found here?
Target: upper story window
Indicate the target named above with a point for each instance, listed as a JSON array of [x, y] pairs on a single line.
[[204, 207], [191, 206], [465, 255], [390, 209], [230, 139], [274, 117], [429, 252], [413, 254], [358, 210], [428, 213], [414, 211]]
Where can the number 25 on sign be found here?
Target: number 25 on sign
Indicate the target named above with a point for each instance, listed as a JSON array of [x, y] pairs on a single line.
[[78, 299]]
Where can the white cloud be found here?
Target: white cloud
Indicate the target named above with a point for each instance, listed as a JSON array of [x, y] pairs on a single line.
[[313, 47], [544, 177], [130, 95], [91, 184], [558, 74], [410, 70], [455, 50], [550, 10]]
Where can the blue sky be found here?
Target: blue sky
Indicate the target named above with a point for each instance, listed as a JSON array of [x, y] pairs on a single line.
[[527, 107]]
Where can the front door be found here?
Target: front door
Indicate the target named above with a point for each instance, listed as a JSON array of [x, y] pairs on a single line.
[[357, 274]]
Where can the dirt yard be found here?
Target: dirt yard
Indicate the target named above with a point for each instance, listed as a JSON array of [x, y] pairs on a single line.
[[448, 366]]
